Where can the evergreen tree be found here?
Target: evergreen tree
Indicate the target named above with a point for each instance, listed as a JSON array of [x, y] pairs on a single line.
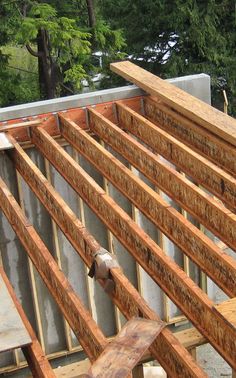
[[175, 38]]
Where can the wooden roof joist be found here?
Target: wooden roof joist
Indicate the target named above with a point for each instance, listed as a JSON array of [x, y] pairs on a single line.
[[200, 142], [174, 282], [219, 220], [90, 336], [204, 172], [166, 349], [192, 241]]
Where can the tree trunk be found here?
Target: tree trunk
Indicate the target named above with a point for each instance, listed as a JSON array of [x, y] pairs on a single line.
[[91, 13], [47, 77]]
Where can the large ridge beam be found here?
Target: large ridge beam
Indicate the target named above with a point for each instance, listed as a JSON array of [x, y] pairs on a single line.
[[186, 104], [193, 199], [91, 338], [217, 150], [34, 354], [166, 273], [166, 349], [217, 264], [205, 173]]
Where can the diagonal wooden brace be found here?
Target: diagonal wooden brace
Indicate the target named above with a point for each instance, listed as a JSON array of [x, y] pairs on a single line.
[[125, 351]]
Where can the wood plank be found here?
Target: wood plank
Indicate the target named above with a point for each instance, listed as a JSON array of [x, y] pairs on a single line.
[[203, 251], [167, 274], [198, 111], [126, 349], [34, 355], [84, 327], [207, 144], [19, 125], [167, 350], [227, 310], [190, 338], [205, 173], [13, 333]]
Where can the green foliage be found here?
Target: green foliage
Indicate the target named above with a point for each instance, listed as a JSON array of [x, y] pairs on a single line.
[[175, 38]]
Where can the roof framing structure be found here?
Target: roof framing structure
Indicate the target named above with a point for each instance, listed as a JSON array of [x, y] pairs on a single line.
[[164, 122]]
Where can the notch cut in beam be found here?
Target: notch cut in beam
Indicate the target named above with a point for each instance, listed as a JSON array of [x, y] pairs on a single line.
[[203, 114], [166, 273], [34, 354], [219, 266], [202, 141], [79, 319], [166, 349], [219, 220], [205, 173]]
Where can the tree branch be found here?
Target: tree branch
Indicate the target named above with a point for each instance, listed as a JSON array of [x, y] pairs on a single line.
[[32, 52]]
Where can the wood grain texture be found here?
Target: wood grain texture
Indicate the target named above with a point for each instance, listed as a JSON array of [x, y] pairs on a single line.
[[166, 273], [201, 140], [79, 319], [204, 172], [13, 333], [218, 265], [196, 110], [125, 296], [227, 310], [38, 363], [193, 199], [126, 349]]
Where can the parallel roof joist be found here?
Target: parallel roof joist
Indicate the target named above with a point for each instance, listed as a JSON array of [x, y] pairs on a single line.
[[125, 296], [176, 284], [162, 128]]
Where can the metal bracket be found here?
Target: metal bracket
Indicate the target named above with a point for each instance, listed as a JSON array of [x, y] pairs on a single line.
[[100, 269], [5, 143]]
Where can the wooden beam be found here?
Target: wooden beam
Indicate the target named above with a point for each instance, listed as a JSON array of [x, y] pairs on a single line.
[[18, 125], [193, 199], [205, 173], [218, 265], [126, 349], [167, 350], [190, 338], [166, 273], [198, 111], [34, 355], [212, 147], [84, 327], [227, 310]]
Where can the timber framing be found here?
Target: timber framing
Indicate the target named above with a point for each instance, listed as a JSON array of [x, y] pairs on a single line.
[[150, 132]]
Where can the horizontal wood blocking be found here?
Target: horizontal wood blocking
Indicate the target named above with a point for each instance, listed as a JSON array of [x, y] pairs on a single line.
[[167, 350], [220, 267], [34, 354], [198, 111], [201, 140], [79, 319], [208, 211], [205, 173], [176, 284]]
